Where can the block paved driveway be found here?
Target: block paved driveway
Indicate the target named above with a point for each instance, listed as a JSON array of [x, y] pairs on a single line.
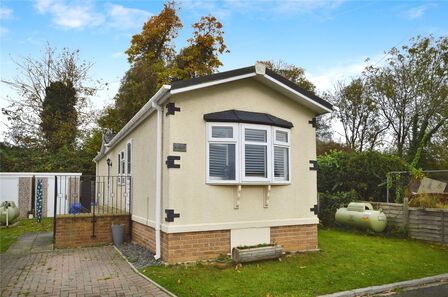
[[31, 268]]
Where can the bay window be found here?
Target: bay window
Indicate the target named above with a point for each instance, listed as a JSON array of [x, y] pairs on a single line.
[[247, 153]]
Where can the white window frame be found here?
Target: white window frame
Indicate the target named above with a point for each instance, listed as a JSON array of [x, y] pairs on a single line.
[[239, 140], [268, 145], [234, 140], [287, 145]]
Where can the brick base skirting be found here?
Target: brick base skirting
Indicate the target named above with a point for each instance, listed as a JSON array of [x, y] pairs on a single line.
[[297, 238], [76, 231], [195, 246], [183, 247]]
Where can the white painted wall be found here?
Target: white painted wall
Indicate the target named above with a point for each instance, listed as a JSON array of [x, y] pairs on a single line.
[[249, 236], [9, 189]]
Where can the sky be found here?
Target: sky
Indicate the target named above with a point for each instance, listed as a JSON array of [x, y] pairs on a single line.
[[330, 39]]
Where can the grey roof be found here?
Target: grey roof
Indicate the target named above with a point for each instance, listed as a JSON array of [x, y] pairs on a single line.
[[246, 70], [240, 116]]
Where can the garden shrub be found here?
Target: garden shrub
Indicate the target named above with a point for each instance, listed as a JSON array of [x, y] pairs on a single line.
[[364, 172], [329, 203]]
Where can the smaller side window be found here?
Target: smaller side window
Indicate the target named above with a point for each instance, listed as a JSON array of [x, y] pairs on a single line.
[[281, 155], [119, 165], [123, 164], [129, 157]]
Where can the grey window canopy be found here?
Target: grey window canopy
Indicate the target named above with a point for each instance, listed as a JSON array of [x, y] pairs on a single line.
[[239, 116]]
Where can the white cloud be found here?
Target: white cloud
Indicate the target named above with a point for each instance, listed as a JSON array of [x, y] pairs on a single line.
[[415, 12], [81, 14], [117, 55], [305, 6], [3, 31], [5, 13], [325, 79], [226, 8], [70, 16], [126, 18]]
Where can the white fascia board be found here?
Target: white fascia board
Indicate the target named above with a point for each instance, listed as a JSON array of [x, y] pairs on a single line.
[[142, 114], [298, 97], [212, 83]]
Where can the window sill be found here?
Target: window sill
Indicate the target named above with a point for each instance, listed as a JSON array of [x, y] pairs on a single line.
[[249, 183]]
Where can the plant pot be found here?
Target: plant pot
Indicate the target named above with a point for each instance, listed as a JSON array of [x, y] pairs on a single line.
[[117, 234], [251, 254]]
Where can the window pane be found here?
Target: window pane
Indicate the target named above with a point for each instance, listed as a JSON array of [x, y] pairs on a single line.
[[281, 170], [119, 164], [281, 136], [255, 160], [129, 158], [222, 161], [222, 132], [255, 135]]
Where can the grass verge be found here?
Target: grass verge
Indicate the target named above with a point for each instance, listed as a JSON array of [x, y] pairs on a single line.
[[9, 235], [346, 261]]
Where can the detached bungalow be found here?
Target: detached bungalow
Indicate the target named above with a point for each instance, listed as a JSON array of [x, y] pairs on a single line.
[[220, 161]]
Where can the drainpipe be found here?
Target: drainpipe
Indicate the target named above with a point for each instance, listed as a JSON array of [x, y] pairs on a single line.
[[158, 178]]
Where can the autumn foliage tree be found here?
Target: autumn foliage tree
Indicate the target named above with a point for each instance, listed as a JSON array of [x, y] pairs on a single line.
[[154, 61], [201, 56]]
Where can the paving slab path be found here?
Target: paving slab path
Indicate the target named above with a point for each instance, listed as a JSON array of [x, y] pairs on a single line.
[[32, 268]]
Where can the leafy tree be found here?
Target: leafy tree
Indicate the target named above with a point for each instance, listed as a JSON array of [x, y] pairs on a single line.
[[363, 172], [411, 91], [155, 42], [154, 62], [137, 86], [359, 115], [59, 118], [291, 72], [36, 75], [201, 56]]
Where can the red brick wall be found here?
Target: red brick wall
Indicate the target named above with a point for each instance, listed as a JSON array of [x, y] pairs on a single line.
[[295, 238], [144, 236], [194, 246], [183, 247], [76, 231]]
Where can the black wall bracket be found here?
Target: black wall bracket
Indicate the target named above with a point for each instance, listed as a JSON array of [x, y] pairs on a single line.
[[170, 161], [170, 215], [313, 122], [171, 108], [315, 209], [313, 165]]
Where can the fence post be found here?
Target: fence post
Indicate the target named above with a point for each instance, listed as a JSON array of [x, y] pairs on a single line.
[[55, 208], [93, 201], [443, 226], [405, 212]]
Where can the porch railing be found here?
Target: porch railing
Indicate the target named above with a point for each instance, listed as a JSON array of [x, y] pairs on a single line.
[[96, 195]]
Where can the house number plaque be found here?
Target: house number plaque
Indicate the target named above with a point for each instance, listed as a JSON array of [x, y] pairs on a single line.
[[179, 147]]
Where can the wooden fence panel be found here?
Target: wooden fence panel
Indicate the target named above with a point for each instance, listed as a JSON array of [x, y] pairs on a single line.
[[425, 224]]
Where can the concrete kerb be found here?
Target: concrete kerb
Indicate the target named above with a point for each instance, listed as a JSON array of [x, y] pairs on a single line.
[[384, 288], [144, 276]]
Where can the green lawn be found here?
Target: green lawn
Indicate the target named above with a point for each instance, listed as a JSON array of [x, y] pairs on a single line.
[[9, 235], [346, 261]]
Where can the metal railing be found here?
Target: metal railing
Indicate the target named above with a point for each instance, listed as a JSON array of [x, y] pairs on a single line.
[[96, 195]]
